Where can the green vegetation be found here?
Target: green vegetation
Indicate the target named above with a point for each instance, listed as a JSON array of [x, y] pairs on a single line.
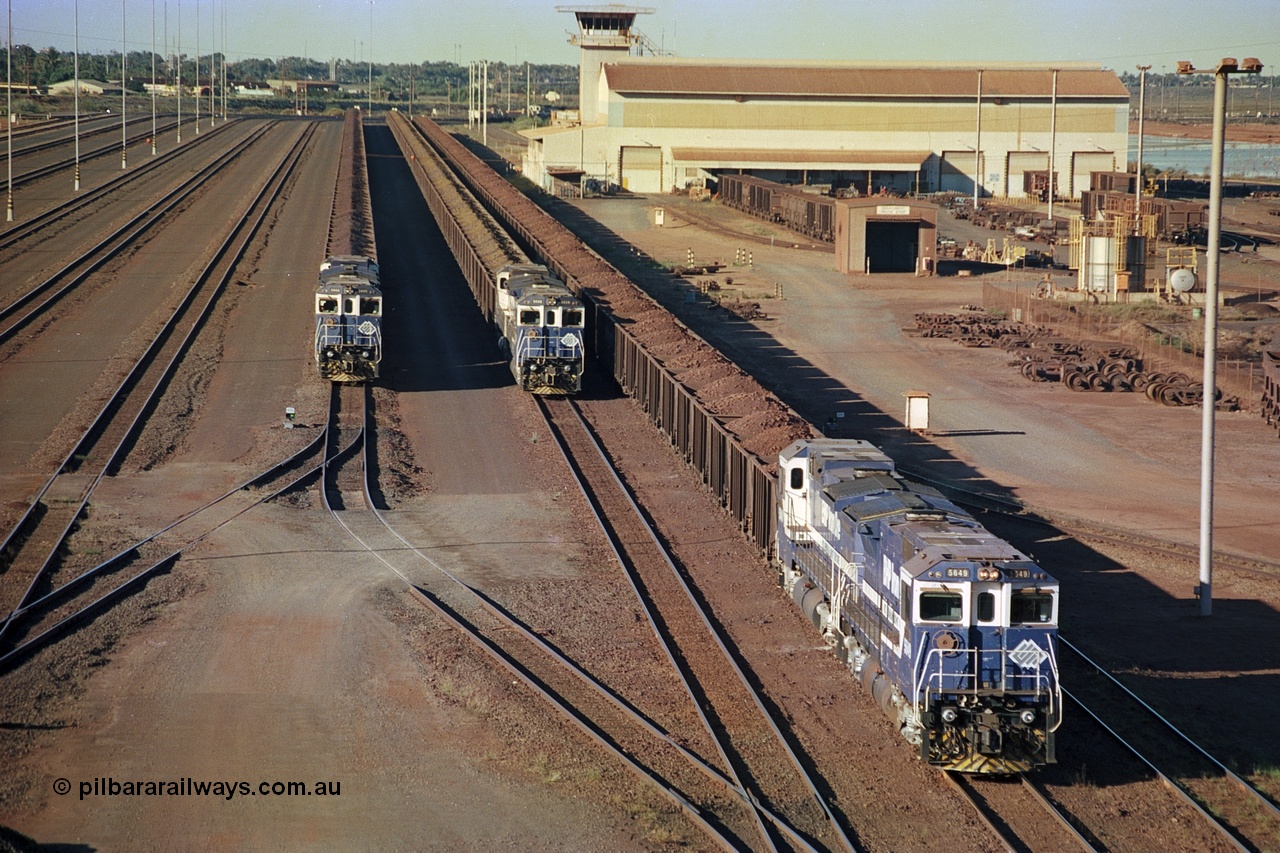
[[439, 82]]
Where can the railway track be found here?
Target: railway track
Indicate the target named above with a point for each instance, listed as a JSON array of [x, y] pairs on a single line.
[[1241, 815], [1013, 808], [88, 130], [64, 163], [711, 796], [17, 231], [756, 750], [20, 312], [1245, 817], [32, 550]]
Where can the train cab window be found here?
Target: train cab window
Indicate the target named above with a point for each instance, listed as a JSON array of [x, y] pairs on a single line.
[[372, 307], [572, 317], [1031, 608], [530, 317], [326, 305], [797, 477], [550, 317], [941, 606], [986, 607], [349, 305]]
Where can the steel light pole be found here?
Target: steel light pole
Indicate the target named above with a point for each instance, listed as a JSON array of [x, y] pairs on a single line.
[[370, 58], [124, 74], [8, 121], [1226, 67], [76, 12], [153, 78]]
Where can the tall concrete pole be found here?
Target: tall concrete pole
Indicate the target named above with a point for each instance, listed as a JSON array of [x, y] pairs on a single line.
[[977, 151], [1053, 140], [1213, 250], [1142, 112]]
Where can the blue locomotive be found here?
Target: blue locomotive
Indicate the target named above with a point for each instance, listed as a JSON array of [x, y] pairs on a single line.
[[348, 319], [540, 326], [951, 629]]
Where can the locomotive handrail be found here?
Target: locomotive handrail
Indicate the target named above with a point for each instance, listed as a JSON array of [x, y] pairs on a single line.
[[928, 678], [531, 346]]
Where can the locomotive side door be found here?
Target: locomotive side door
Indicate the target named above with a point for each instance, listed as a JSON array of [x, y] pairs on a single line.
[[794, 507]]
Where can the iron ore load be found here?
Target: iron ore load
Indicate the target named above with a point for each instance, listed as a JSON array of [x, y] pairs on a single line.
[[951, 629], [348, 342], [540, 326]]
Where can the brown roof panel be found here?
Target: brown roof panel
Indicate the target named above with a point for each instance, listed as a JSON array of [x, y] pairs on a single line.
[[841, 81]]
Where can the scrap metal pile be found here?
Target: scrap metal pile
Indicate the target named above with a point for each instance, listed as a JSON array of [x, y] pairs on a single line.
[[1042, 355]]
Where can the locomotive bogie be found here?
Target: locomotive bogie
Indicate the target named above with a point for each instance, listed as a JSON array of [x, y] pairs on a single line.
[[951, 629]]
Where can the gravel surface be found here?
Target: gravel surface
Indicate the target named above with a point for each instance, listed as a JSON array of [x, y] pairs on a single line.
[[280, 650]]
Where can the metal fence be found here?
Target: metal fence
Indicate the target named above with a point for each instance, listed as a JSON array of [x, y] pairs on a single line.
[[1158, 350]]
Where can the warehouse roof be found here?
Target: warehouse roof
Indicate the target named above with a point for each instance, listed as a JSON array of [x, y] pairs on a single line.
[[804, 80]]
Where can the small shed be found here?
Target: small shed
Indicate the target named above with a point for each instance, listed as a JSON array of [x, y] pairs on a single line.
[[885, 234]]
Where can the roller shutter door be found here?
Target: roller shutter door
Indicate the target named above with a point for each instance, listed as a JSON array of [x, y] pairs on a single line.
[[955, 172], [641, 169], [1084, 162], [1021, 162]]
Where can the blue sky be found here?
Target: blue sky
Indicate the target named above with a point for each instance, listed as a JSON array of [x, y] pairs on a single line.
[[1117, 34]]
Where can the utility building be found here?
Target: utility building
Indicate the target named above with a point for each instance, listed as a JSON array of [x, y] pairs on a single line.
[[656, 124]]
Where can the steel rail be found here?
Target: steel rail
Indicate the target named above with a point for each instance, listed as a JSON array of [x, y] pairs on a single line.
[[618, 549], [601, 691], [496, 653], [1226, 771], [114, 243], [9, 546], [22, 651], [1034, 790], [1227, 834], [961, 786], [269, 192], [710, 628], [54, 168], [27, 227], [110, 128]]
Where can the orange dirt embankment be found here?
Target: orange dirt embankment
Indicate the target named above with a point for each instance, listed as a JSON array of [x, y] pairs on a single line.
[[1235, 132]]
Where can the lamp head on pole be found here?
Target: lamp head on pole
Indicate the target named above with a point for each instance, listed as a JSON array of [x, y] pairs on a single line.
[[1228, 65]]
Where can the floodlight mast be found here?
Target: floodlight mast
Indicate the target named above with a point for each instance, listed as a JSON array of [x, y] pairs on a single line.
[[1204, 591]]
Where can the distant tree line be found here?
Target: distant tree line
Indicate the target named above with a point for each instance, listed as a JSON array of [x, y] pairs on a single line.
[[392, 81]]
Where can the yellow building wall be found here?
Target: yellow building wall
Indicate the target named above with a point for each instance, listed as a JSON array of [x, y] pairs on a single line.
[[887, 118]]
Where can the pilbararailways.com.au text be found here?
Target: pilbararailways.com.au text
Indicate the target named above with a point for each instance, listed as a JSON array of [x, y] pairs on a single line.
[[188, 787]]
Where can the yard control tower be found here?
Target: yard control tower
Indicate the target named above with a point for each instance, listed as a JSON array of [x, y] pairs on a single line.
[[605, 34]]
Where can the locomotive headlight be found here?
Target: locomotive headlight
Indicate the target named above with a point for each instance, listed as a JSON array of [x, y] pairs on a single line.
[[948, 715], [1027, 716]]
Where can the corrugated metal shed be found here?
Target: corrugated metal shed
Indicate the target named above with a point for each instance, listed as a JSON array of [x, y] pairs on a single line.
[[746, 81]]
